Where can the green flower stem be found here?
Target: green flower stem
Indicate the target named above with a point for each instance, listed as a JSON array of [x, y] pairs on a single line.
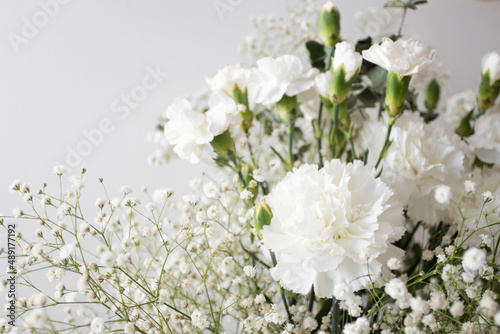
[[387, 142], [289, 131], [335, 326], [319, 134], [329, 55], [312, 298], [333, 130], [282, 291]]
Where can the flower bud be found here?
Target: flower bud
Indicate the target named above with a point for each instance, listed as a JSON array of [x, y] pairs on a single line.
[[346, 65], [337, 138], [431, 95], [241, 99], [329, 25], [488, 92], [287, 109], [262, 216], [464, 128], [223, 144], [397, 87]]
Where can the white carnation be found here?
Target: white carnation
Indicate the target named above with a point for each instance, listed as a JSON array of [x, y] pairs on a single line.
[[188, 130], [322, 218], [276, 77], [230, 77], [421, 157], [348, 58], [403, 57], [486, 137]]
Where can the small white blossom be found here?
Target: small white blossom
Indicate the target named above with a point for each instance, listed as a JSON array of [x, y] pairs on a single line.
[[473, 259]]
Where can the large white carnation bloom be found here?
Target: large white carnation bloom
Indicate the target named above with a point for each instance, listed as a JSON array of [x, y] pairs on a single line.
[[403, 57], [332, 227], [491, 63], [348, 58], [276, 77], [421, 158], [230, 77], [486, 137], [189, 130]]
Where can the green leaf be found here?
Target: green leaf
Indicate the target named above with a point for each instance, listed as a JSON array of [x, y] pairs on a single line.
[[351, 102], [363, 44], [304, 148], [316, 54], [395, 3], [368, 97], [326, 305], [378, 77]]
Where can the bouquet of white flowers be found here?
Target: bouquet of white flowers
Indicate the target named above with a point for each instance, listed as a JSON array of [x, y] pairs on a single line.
[[351, 198]]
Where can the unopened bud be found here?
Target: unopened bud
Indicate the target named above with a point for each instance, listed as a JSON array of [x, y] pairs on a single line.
[[262, 216], [397, 87], [431, 95], [287, 109], [329, 25]]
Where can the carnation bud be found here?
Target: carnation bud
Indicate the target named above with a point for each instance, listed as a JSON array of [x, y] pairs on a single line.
[[223, 144], [287, 109], [488, 92], [329, 25], [262, 216], [337, 138], [464, 128], [339, 88], [241, 97], [346, 65], [397, 87], [431, 95]]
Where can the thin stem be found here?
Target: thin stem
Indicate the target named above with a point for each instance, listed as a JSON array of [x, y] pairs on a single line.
[[282, 291], [312, 298], [320, 135], [402, 22], [290, 145], [328, 61], [335, 326], [335, 123], [387, 142]]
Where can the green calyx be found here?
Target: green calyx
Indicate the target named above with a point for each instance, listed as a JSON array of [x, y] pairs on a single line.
[[241, 98], [262, 216], [287, 109], [397, 87], [488, 92], [432, 94], [329, 27], [223, 144], [339, 87]]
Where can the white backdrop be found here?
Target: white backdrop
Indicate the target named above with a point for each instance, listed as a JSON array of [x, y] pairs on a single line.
[[72, 74]]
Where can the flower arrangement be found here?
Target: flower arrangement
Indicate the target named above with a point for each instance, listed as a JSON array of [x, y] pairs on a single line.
[[351, 198]]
